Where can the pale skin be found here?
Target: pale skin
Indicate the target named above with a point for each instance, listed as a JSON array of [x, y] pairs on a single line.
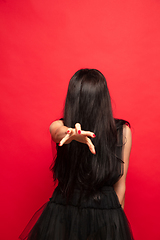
[[64, 135]]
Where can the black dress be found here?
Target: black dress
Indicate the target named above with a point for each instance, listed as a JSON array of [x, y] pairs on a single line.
[[80, 218]]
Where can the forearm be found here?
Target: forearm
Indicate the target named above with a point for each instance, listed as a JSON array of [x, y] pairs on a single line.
[[122, 201], [120, 191], [64, 135], [58, 131]]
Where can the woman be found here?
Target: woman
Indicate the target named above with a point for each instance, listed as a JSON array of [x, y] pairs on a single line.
[[91, 165]]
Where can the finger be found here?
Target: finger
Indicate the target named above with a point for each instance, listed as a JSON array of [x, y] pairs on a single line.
[[78, 128], [88, 133], [69, 130], [91, 146], [63, 140]]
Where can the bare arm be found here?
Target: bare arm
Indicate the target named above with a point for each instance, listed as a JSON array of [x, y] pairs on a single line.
[[64, 135], [58, 130], [120, 186]]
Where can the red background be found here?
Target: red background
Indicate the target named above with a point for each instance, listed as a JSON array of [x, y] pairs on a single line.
[[42, 44]]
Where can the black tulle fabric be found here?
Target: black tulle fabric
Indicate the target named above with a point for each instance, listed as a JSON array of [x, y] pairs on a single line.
[[80, 218]]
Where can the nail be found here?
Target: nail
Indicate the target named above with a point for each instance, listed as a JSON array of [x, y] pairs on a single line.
[[79, 131], [94, 135], [59, 144], [68, 131]]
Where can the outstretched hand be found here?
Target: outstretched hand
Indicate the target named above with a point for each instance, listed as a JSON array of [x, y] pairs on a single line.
[[80, 136]]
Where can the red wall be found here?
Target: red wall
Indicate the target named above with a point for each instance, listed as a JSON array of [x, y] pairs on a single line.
[[42, 44]]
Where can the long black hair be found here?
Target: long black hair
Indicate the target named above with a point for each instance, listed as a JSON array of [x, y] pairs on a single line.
[[88, 103]]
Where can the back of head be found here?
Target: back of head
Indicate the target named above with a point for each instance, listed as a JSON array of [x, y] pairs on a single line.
[[88, 103], [88, 100]]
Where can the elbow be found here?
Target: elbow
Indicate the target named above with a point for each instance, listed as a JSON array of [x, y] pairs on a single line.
[[120, 191], [123, 190]]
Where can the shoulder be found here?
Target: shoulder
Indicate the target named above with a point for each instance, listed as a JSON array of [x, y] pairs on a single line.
[[127, 142], [123, 127], [127, 134], [120, 122]]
